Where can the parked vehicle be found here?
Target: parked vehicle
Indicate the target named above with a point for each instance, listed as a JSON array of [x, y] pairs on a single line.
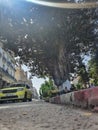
[[17, 91]]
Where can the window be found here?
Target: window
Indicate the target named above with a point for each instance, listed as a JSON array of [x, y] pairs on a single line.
[[28, 87]]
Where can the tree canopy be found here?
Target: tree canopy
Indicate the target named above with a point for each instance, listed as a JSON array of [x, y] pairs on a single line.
[[50, 41]]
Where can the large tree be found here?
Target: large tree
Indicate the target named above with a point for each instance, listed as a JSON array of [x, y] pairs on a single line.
[[50, 41]]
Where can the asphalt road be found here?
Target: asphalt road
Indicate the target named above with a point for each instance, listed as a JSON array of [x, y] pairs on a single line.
[[38, 115]]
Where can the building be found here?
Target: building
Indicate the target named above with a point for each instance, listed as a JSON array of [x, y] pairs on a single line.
[[21, 76], [7, 67], [76, 80], [65, 85]]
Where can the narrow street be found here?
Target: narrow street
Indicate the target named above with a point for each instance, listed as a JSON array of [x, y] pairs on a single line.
[[38, 115]]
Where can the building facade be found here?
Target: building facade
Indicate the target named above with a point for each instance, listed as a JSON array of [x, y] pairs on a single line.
[[7, 67], [65, 85], [21, 76]]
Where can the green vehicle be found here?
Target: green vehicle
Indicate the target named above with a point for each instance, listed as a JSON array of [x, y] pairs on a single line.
[[18, 91]]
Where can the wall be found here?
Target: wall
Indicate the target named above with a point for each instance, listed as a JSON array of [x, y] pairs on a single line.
[[86, 98]]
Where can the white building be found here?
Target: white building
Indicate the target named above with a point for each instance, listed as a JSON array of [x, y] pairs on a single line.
[[66, 84], [7, 66]]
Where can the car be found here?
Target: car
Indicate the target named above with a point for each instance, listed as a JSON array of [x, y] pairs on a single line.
[[17, 91]]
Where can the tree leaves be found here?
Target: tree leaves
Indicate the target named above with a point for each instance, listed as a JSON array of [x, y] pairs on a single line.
[[49, 40]]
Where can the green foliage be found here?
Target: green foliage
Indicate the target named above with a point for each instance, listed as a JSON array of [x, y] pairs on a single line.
[[49, 40], [45, 90], [78, 86], [93, 71], [83, 74]]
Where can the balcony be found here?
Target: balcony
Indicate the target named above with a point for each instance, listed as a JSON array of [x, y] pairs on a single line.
[[3, 59], [6, 74], [9, 63]]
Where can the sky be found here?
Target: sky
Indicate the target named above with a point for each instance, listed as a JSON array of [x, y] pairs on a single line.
[[35, 81]]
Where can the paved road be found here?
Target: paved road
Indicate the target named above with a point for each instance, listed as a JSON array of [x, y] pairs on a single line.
[[38, 115]]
